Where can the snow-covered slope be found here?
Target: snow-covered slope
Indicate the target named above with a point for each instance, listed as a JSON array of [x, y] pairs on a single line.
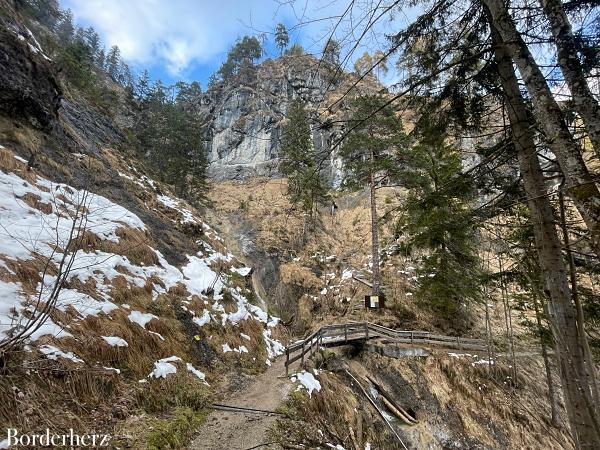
[[52, 232]]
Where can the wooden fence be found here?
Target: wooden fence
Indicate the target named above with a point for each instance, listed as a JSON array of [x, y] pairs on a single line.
[[342, 334]]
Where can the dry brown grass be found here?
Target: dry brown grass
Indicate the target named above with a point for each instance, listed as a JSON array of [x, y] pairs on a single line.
[[27, 272], [35, 202], [133, 244], [124, 292], [296, 275], [8, 163]]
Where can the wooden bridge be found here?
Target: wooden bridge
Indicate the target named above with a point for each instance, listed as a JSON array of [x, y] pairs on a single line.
[[360, 332]]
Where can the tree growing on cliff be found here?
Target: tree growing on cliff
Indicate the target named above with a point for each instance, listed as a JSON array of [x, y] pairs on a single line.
[[363, 64], [169, 132], [282, 39], [65, 27], [295, 50], [371, 156], [331, 52], [113, 62], [298, 161], [241, 57]]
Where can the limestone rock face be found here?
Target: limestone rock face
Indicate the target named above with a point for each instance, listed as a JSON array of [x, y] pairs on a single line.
[[28, 87], [245, 115]]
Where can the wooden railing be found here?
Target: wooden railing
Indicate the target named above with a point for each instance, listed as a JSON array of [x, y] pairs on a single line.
[[342, 334]]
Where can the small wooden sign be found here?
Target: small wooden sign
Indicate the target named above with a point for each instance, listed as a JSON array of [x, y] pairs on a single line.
[[374, 301]]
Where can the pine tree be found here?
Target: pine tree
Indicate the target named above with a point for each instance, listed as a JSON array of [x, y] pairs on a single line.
[[380, 59], [113, 63], [297, 161], [101, 59], [370, 154], [331, 52], [126, 78], [363, 64], [47, 12], [66, 29], [93, 41], [241, 57], [282, 39], [295, 50], [189, 96], [437, 217], [142, 87]]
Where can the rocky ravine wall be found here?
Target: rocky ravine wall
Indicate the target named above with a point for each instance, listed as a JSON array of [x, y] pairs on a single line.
[[245, 115]]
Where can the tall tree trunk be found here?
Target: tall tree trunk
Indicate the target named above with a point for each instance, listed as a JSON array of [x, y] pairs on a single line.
[[374, 230], [551, 392], [549, 249], [578, 307], [580, 184], [583, 100], [508, 322]]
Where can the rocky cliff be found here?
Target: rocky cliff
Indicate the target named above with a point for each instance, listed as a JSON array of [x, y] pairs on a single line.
[[245, 115]]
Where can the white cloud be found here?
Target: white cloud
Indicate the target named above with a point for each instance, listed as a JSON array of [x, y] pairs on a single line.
[[179, 33], [175, 32]]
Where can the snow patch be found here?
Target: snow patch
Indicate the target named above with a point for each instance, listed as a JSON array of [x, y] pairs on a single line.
[[202, 320], [163, 367], [243, 271], [54, 353], [196, 372], [141, 318], [307, 381], [115, 341]]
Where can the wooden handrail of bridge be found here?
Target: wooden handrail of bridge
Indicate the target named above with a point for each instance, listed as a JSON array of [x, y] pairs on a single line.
[[341, 334]]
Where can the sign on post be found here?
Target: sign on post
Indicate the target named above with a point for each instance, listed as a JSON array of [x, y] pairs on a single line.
[[375, 301]]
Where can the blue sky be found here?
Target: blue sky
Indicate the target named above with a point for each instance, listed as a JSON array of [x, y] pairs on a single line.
[[188, 39]]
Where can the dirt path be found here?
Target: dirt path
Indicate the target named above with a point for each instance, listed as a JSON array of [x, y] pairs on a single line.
[[241, 431]]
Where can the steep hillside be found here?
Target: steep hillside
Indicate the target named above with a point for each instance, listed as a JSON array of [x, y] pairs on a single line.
[[113, 308], [121, 307]]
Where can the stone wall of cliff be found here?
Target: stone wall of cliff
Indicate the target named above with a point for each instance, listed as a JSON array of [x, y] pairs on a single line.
[[245, 115]]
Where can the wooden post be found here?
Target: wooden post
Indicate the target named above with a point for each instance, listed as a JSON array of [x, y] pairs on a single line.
[[359, 430], [411, 339], [287, 361], [345, 333], [366, 330], [302, 356], [458, 343]]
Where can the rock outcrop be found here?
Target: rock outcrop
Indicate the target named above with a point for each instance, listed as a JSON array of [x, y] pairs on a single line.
[[28, 87], [245, 115]]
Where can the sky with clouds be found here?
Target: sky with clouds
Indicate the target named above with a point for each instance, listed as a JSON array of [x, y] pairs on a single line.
[[188, 39]]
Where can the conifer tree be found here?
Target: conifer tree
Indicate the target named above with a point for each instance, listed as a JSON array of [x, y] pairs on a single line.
[[241, 57], [437, 217], [66, 28], [142, 87], [298, 161], [363, 64], [282, 39], [370, 154], [113, 62], [380, 59], [331, 52], [100, 59], [295, 50]]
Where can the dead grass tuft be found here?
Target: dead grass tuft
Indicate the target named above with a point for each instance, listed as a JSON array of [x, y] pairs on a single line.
[[8, 163], [27, 272], [133, 244], [296, 275]]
